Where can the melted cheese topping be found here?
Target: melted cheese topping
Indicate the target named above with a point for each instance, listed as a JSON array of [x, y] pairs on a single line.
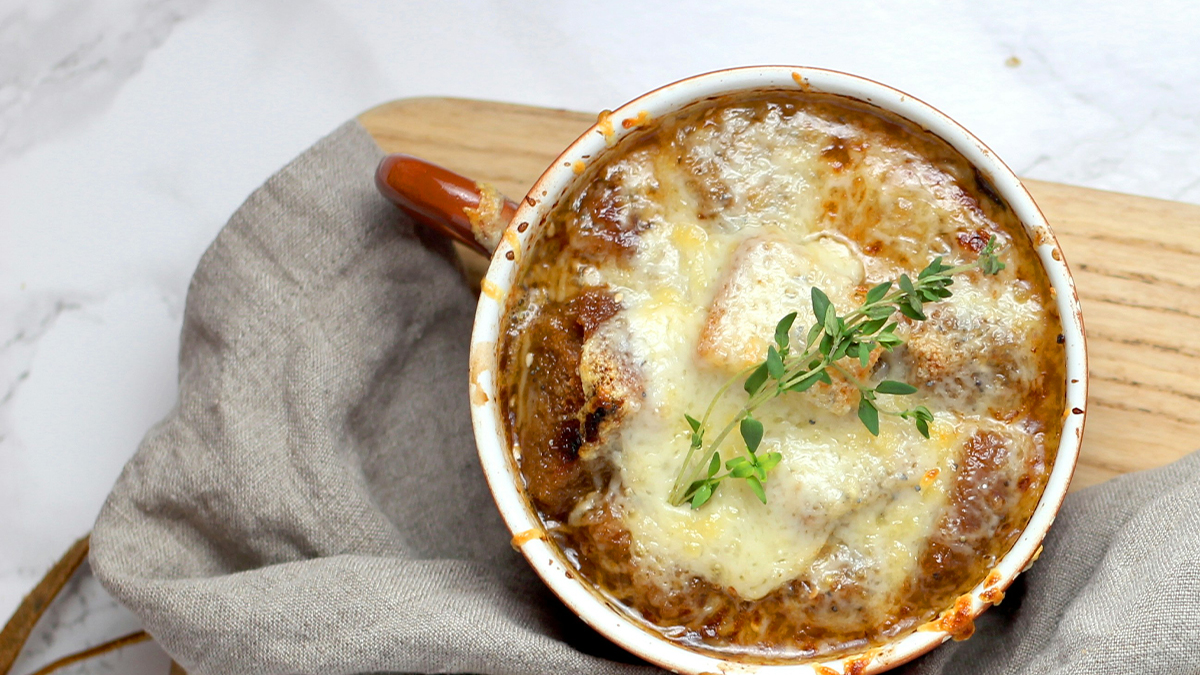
[[718, 262]]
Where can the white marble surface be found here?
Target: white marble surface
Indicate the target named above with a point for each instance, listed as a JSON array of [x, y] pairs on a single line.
[[131, 129]]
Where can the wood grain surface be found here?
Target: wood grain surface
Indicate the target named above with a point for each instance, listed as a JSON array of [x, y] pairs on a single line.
[[1136, 263]]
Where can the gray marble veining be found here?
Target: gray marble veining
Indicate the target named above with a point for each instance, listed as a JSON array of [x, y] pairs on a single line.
[[61, 63]]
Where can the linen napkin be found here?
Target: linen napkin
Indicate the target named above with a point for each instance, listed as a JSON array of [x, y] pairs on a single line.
[[314, 502]]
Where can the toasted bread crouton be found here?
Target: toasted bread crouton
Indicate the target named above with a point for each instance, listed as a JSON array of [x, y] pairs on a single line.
[[766, 279], [963, 358], [612, 384]]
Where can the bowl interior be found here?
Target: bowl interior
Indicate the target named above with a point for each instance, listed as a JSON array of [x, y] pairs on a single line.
[[558, 180]]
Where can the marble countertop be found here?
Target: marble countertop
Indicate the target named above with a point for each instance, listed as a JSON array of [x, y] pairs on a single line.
[[130, 130]]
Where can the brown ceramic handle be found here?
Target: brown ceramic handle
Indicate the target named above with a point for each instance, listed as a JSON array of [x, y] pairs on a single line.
[[438, 197]]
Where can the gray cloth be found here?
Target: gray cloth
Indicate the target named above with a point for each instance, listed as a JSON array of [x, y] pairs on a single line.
[[314, 503]]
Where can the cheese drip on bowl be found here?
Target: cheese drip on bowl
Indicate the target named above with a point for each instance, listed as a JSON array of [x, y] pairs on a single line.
[[702, 234]]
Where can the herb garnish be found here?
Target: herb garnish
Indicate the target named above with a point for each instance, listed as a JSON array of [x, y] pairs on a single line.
[[830, 339]]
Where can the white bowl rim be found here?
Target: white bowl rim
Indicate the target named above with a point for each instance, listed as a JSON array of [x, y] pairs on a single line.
[[500, 466]]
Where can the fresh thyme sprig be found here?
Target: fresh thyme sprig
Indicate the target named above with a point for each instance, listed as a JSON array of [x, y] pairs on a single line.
[[831, 339]]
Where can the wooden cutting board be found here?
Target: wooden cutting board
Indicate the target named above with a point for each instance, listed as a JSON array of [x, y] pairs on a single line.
[[1136, 262]]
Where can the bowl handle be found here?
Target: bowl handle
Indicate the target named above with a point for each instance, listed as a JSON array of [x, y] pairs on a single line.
[[471, 213]]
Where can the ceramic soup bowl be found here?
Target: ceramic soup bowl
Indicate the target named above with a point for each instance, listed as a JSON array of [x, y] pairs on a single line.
[[509, 233]]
